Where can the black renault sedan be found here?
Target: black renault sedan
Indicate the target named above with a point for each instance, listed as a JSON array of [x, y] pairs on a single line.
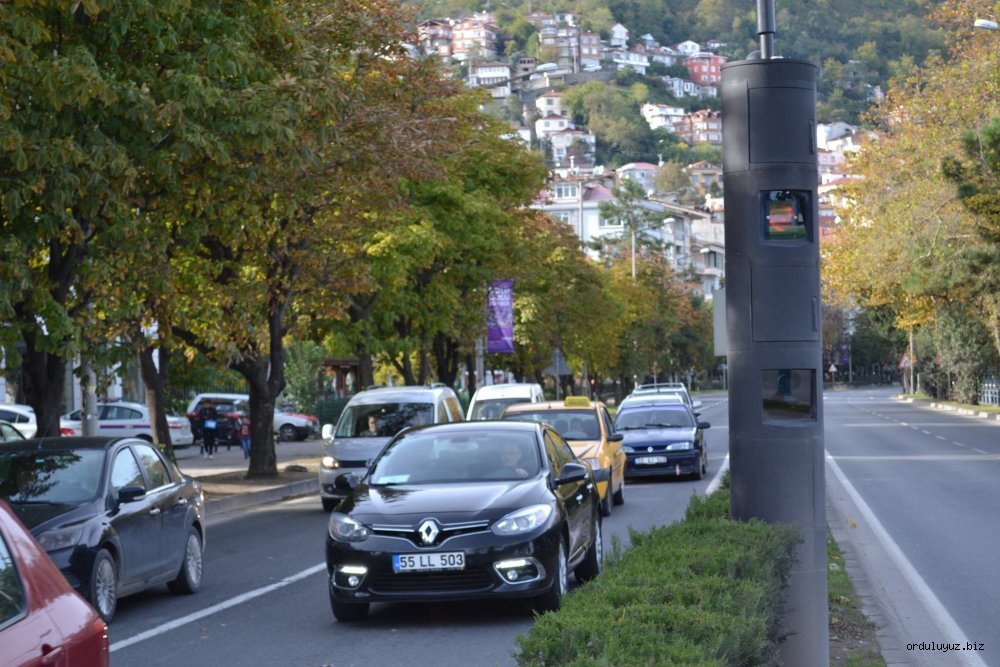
[[114, 514], [462, 511], [662, 438]]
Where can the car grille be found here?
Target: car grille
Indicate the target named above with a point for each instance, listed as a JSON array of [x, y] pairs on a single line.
[[353, 464], [415, 582], [446, 531]]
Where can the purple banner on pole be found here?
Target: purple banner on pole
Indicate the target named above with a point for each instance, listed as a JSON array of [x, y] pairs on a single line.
[[500, 318]]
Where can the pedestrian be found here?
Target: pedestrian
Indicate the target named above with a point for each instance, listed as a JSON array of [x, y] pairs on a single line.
[[209, 424], [244, 428]]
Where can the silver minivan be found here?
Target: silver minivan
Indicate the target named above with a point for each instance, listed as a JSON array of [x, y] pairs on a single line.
[[369, 420]]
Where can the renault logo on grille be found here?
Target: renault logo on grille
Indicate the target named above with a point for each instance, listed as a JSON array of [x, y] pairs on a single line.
[[428, 531], [649, 449]]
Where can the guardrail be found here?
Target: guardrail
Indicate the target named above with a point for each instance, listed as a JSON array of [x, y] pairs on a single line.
[[989, 391]]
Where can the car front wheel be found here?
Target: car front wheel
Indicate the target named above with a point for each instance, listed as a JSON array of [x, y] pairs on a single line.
[[552, 600], [287, 433], [619, 497], [103, 589], [593, 562]]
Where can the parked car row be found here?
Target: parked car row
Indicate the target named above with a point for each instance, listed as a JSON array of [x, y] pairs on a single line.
[[122, 418], [428, 506]]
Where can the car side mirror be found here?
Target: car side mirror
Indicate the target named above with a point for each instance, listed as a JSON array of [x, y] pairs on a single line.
[[704, 425], [346, 482], [696, 404], [327, 432], [616, 437], [572, 472], [129, 494]]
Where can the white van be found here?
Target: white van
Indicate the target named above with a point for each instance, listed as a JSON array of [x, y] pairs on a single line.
[[490, 400]]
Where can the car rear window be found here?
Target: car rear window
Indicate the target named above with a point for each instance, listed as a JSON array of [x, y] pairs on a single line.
[[571, 424], [491, 408]]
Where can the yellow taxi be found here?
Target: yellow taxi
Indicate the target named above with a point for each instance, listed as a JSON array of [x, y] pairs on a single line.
[[590, 432]]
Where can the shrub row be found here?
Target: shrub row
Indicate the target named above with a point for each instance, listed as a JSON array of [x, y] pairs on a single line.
[[704, 591]]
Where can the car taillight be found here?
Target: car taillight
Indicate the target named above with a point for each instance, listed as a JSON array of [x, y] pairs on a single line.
[[66, 432], [177, 426]]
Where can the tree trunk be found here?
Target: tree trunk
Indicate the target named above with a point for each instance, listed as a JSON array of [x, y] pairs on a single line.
[[366, 369], [263, 459], [446, 358], [44, 381], [470, 366], [155, 381]]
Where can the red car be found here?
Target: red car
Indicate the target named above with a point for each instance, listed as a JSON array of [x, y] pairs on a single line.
[[43, 621]]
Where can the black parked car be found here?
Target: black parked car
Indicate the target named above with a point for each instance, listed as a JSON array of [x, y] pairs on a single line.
[[113, 513], [462, 511], [662, 438]]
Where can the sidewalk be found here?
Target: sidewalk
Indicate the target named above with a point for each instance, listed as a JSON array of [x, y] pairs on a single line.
[[232, 461]]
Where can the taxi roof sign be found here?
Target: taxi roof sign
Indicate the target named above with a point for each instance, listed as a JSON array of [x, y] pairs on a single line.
[[578, 401]]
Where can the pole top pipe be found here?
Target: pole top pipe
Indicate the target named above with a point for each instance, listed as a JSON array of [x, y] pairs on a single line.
[[765, 28]]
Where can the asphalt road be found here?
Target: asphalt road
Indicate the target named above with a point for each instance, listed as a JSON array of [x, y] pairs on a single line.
[[918, 490], [265, 602]]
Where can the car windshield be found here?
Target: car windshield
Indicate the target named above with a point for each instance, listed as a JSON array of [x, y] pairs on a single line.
[[491, 408], [382, 419], [459, 456], [660, 416], [571, 424], [57, 477]]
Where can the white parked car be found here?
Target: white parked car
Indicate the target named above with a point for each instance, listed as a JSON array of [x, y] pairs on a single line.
[[128, 420], [21, 416]]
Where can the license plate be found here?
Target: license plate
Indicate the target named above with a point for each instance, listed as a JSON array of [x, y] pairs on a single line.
[[650, 460], [450, 560]]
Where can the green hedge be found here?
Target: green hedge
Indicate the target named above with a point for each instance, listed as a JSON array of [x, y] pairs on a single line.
[[705, 591]]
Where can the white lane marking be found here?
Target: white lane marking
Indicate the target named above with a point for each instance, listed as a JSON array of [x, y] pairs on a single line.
[[934, 607], [940, 437], [979, 450], [716, 482], [214, 609], [957, 443]]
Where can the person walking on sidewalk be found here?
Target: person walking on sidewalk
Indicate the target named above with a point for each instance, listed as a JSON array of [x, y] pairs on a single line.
[[209, 425], [244, 429]]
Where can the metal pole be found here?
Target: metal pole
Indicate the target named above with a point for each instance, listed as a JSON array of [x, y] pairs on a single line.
[[765, 28], [633, 254]]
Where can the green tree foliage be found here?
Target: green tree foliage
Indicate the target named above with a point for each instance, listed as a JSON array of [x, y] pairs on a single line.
[[304, 373], [904, 216], [106, 109], [965, 350], [456, 233]]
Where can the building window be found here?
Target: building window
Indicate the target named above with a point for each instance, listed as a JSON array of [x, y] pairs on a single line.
[[565, 191], [604, 223]]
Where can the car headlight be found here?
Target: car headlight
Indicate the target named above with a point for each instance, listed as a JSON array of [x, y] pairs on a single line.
[[523, 521], [347, 529], [627, 449], [60, 538], [330, 463], [677, 446]]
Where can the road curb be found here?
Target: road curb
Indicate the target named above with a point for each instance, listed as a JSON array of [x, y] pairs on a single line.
[[968, 412], [886, 634], [239, 501]]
